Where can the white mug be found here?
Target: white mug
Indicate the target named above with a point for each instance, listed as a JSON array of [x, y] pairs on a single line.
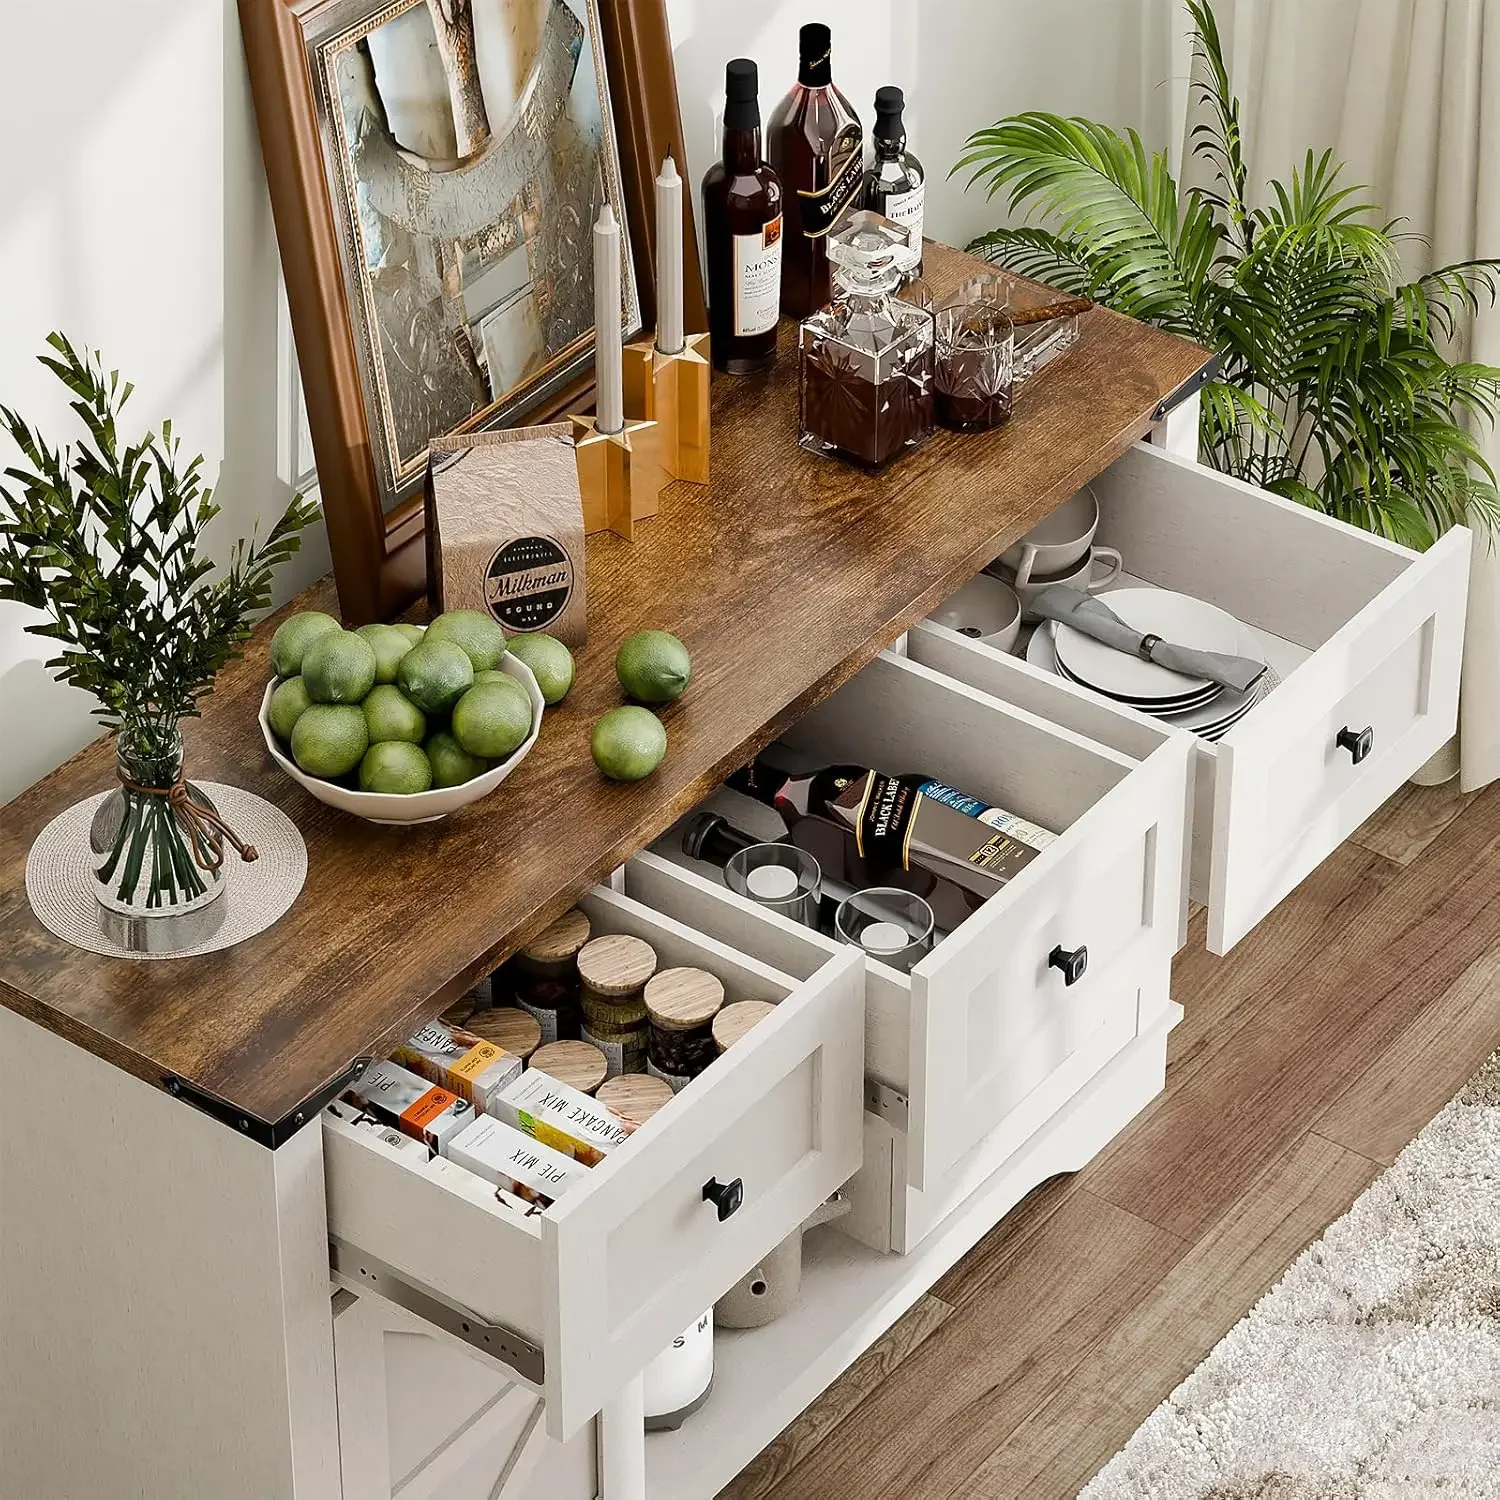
[[985, 609], [1080, 576], [1057, 541]]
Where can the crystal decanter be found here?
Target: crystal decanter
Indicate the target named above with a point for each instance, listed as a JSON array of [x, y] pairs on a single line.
[[865, 362]]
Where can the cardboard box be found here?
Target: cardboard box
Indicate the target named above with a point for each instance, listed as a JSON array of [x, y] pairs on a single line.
[[514, 1162], [460, 1062], [561, 1117], [412, 1105]]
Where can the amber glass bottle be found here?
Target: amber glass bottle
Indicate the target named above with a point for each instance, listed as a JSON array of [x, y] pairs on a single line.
[[817, 148], [742, 234]]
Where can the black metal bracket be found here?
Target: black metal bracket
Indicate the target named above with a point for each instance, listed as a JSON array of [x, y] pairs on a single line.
[[1189, 387], [267, 1133]]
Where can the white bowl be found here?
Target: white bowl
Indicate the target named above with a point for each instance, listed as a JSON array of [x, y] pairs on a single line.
[[414, 807]]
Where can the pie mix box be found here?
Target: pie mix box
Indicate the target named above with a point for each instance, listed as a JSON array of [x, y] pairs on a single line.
[[414, 1106], [514, 1162]]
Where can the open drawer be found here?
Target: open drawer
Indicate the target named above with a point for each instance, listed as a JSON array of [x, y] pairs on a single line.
[[986, 1018], [579, 1298], [1367, 637]]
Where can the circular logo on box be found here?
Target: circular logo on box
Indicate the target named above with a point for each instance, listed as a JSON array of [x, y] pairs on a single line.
[[528, 583]]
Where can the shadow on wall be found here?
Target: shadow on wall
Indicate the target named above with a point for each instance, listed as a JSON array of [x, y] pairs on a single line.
[[45, 721]]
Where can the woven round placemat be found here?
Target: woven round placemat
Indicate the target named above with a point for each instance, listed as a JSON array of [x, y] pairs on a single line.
[[60, 875]]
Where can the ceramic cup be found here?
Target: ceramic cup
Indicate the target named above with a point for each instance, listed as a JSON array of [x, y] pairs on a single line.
[[1081, 576], [984, 609], [1057, 543]]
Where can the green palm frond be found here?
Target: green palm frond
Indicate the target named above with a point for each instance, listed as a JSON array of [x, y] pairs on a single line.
[[1336, 386]]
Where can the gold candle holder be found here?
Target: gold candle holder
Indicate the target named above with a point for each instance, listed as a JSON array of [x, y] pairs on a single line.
[[672, 391], [619, 474]]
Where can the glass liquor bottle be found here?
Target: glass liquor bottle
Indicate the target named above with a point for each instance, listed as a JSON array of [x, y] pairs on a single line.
[[742, 203], [817, 148], [896, 183], [865, 362]]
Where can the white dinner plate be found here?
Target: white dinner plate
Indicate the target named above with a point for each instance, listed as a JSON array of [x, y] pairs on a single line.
[[1175, 617], [1161, 706], [1212, 719]]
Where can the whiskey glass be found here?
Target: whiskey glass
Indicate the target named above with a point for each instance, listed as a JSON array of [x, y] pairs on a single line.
[[892, 926], [975, 364], [779, 877]]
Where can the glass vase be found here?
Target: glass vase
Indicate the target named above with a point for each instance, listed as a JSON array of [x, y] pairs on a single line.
[[159, 871]]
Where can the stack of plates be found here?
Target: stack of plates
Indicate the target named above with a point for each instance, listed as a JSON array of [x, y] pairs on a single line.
[[1188, 702]]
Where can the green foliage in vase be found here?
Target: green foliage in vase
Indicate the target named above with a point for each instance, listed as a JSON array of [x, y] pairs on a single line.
[[103, 536], [1334, 389]]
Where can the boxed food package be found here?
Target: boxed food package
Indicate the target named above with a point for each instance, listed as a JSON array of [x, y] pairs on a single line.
[[415, 1107], [561, 1117], [514, 1162], [461, 1062]]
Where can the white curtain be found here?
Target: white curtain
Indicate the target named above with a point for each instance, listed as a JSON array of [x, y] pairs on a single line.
[[1407, 93]]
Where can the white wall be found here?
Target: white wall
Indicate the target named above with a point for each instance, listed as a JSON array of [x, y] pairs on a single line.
[[137, 220]]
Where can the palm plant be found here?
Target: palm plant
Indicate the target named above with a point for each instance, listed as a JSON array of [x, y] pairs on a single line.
[[1333, 388]]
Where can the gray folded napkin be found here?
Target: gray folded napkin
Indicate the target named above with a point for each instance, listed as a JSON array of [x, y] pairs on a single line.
[[1093, 618]]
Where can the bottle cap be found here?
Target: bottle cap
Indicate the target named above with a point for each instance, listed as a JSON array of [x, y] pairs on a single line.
[[616, 964], [561, 940], [741, 79], [683, 999], [889, 104], [578, 1064], [814, 41], [871, 253]]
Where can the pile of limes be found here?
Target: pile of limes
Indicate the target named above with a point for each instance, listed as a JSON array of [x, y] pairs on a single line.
[[400, 708]]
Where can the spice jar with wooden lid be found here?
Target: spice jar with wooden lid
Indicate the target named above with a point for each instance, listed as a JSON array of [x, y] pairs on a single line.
[[613, 971], [577, 1064], [509, 1027], [735, 1020], [544, 975], [634, 1097], [681, 1005]]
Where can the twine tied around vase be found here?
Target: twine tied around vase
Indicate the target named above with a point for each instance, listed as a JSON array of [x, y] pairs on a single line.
[[206, 828]]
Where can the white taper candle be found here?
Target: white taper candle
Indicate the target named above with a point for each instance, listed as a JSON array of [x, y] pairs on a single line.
[[669, 332], [609, 411]]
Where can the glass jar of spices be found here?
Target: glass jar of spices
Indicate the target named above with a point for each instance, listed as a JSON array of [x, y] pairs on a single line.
[[735, 1020], [545, 976], [681, 1005], [634, 1097], [509, 1028], [613, 971]]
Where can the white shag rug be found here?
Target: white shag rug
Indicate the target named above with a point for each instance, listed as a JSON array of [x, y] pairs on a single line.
[[1371, 1371]]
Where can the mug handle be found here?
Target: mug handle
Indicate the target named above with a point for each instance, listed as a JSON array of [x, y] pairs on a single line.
[[1110, 556], [1027, 563]]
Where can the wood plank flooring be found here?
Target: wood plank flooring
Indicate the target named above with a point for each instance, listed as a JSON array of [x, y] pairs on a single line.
[[1305, 1062]]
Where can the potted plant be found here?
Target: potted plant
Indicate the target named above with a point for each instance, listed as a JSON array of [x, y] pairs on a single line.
[[1334, 388], [103, 537]]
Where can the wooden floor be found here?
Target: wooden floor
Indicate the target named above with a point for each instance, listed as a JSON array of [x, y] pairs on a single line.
[[1305, 1062]]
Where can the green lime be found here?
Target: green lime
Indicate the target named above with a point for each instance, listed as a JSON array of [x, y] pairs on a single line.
[[391, 715], [452, 765], [339, 667], [395, 766], [493, 719], [550, 661], [287, 704], [330, 738], [478, 634], [629, 743], [294, 636], [653, 666], [435, 675], [389, 645], [492, 676], [413, 633]]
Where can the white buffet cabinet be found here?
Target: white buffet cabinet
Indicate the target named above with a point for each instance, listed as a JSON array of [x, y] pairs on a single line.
[[941, 1098]]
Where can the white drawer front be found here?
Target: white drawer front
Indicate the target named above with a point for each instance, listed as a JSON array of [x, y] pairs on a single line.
[[606, 1278], [1289, 789]]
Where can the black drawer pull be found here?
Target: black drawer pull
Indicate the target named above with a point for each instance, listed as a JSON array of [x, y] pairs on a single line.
[[1073, 963], [1358, 742], [726, 1197]]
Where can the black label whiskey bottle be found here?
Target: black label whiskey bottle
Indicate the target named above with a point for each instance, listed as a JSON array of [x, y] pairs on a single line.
[[817, 148]]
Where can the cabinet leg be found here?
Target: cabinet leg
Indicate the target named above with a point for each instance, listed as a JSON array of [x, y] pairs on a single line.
[[622, 1445]]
